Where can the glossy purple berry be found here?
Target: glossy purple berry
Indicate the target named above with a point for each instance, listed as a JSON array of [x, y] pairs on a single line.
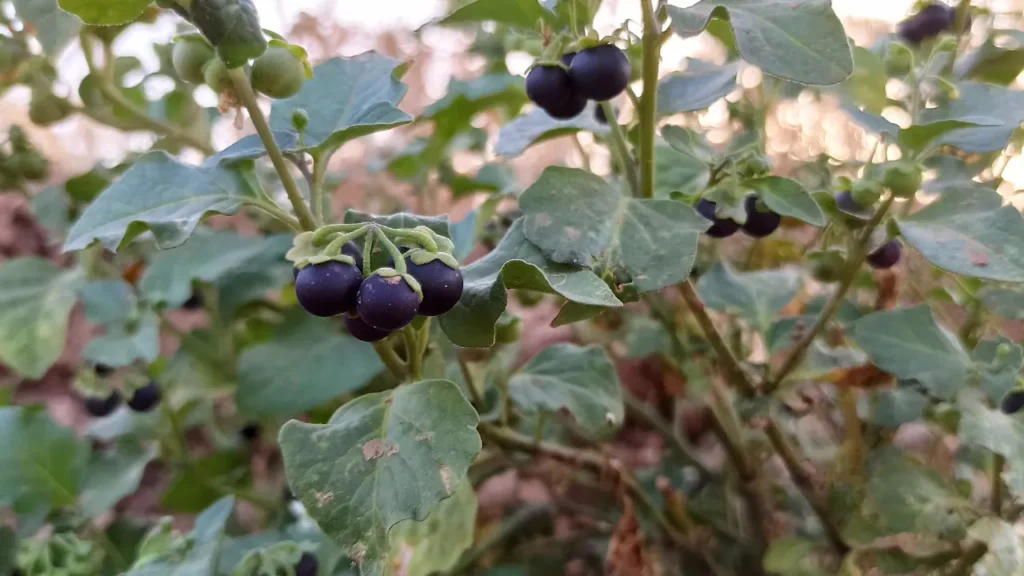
[[387, 303], [146, 398], [573, 106], [307, 565], [328, 289], [100, 407], [362, 331], [1013, 402], [441, 286], [759, 224], [567, 59], [845, 202], [720, 227], [932, 20], [887, 256], [548, 86], [600, 73]]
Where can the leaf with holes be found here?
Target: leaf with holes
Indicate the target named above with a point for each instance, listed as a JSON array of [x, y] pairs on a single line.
[[381, 459], [577, 218]]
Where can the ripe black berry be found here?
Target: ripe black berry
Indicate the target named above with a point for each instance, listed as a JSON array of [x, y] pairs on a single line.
[[387, 303], [307, 566], [887, 256], [350, 249], [362, 331], [441, 285], [720, 227], [568, 58], [102, 370], [548, 86], [1013, 402], [571, 108], [759, 224], [250, 432], [929, 22], [844, 200], [195, 302], [600, 73], [146, 398], [328, 289], [100, 407]]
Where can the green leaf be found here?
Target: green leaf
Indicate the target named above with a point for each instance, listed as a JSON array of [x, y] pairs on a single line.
[[515, 264], [208, 256], [700, 86], [976, 105], [105, 12], [536, 127], [581, 381], [576, 15], [516, 13], [35, 299], [678, 173], [991, 64], [909, 344], [872, 122], [346, 99], [199, 485], [896, 407], [51, 207], [112, 475], [997, 373], [122, 346], [968, 231], [306, 364], [381, 459], [795, 557], [1006, 301], [690, 143], [788, 198], [757, 297], [108, 301], [1005, 555], [866, 87], [438, 224], [802, 41], [465, 99], [176, 197], [54, 28], [39, 460], [207, 538], [435, 544], [577, 218], [8, 550], [996, 432]]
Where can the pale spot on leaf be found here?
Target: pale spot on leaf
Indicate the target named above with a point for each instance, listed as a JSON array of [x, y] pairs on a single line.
[[425, 437], [378, 448], [448, 479], [323, 498]]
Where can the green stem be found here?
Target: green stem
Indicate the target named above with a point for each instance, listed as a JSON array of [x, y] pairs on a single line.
[[853, 265], [649, 99], [421, 238], [412, 347], [244, 91], [112, 93], [474, 390], [368, 253], [620, 151], [277, 213], [323, 234], [390, 359], [995, 476], [316, 188], [396, 255], [336, 245], [733, 371]]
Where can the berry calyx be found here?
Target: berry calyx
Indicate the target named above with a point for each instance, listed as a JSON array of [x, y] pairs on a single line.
[[887, 256], [278, 73], [329, 288], [100, 407], [307, 565], [548, 86], [760, 222], [387, 303], [571, 108], [720, 227], [903, 179], [362, 331], [1013, 402], [146, 398], [441, 286], [600, 73], [189, 57]]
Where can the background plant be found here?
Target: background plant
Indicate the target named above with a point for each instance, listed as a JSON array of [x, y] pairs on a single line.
[[838, 381]]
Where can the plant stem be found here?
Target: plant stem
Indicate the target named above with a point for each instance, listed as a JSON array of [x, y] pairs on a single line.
[[112, 93], [854, 434], [641, 412], [474, 391], [412, 347], [391, 360], [995, 477], [248, 98], [649, 99], [316, 187], [733, 371], [853, 265], [620, 151]]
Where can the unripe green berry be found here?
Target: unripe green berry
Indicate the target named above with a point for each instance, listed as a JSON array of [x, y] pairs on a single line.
[[215, 75], [866, 192], [278, 73], [827, 267], [190, 57], [903, 179]]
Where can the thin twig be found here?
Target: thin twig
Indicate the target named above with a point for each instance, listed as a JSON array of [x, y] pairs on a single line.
[[651, 41], [620, 151]]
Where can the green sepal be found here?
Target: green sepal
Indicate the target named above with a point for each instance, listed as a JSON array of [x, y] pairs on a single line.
[[298, 51], [391, 273], [421, 257], [192, 38]]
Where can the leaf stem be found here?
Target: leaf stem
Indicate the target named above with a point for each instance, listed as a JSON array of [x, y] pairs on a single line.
[[853, 265], [316, 187], [112, 93], [248, 98], [619, 149], [651, 42], [412, 347], [390, 359]]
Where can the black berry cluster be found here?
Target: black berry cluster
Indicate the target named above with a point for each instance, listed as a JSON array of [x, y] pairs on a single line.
[[931, 21], [376, 305], [761, 221], [562, 90], [143, 399]]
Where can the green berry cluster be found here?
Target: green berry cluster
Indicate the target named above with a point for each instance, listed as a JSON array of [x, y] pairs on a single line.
[[278, 73]]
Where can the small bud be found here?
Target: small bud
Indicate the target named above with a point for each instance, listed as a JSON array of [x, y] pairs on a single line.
[[300, 120]]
